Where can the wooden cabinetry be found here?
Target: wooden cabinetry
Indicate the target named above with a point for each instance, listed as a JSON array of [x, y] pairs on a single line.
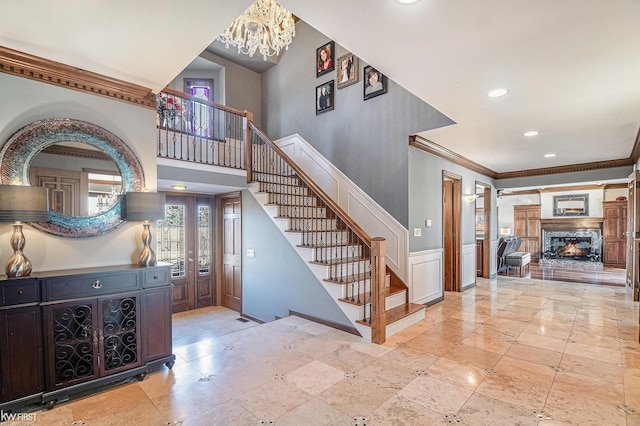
[[479, 253], [81, 329], [614, 228], [21, 344], [526, 224]]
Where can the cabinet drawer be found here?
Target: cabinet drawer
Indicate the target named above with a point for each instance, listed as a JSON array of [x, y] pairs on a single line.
[[19, 292], [72, 287], [156, 277]]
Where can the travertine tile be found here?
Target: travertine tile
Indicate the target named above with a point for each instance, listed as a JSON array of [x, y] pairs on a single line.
[[497, 354], [436, 395], [315, 377]]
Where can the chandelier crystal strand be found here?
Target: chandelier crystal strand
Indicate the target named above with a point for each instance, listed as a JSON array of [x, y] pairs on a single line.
[[265, 26]]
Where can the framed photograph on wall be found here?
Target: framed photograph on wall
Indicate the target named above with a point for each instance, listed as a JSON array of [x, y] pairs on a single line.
[[375, 83], [325, 58], [347, 70], [324, 97]]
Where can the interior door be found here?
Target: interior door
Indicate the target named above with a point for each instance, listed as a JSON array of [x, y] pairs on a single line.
[[633, 237], [231, 247], [451, 198], [184, 240]]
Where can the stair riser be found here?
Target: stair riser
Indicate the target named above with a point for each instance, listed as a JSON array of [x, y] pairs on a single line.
[[283, 189], [312, 224], [263, 177], [341, 253], [324, 238], [295, 211], [359, 311], [343, 270], [292, 200]]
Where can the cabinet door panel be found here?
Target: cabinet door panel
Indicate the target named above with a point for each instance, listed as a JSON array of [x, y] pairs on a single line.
[[72, 342], [157, 323], [119, 333], [21, 357]]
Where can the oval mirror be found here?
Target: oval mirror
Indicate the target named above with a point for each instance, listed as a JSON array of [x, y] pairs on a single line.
[[85, 168]]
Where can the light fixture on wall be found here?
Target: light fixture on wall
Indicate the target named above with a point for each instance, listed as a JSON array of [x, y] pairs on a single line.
[[470, 198], [21, 204], [145, 207], [265, 26]]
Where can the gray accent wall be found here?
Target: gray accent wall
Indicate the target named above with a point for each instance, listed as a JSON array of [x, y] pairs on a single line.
[[366, 140], [277, 280], [425, 200]]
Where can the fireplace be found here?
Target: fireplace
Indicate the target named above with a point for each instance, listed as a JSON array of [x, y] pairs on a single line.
[[573, 245]]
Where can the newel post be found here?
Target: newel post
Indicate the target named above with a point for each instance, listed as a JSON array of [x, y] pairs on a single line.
[[378, 293], [247, 151]]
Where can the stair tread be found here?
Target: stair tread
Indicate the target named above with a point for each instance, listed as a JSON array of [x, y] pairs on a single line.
[[349, 278], [397, 313], [339, 262], [362, 296]]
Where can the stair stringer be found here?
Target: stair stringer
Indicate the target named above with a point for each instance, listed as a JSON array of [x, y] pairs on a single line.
[[336, 291]]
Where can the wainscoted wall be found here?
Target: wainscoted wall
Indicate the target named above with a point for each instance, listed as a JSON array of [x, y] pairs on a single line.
[[493, 260], [362, 208], [425, 276], [468, 265]]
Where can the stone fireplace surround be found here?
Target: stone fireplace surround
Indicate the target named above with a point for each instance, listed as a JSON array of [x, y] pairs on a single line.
[[584, 233]]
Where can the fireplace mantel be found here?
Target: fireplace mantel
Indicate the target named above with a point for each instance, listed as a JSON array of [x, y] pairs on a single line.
[[572, 224]]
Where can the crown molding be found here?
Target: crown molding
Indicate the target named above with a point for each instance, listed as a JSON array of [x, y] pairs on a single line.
[[44, 70], [570, 168], [442, 152], [69, 151]]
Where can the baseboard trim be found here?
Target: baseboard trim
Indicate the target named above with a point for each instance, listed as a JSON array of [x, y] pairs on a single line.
[[434, 301], [467, 287], [259, 321], [328, 323]]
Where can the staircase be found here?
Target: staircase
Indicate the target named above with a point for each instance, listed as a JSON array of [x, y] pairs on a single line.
[[334, 252]]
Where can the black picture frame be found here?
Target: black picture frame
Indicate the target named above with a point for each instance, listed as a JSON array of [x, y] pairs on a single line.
[[347, 70], [325, 58], [374, 83], [325, 97]]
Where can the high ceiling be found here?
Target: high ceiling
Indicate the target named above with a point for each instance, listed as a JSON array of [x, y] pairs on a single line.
[[572, 67]]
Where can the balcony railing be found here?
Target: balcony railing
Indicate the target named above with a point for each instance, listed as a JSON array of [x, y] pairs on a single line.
[[200, 131]]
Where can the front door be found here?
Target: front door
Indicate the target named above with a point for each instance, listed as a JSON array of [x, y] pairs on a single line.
[[185, 241], [231, 247]]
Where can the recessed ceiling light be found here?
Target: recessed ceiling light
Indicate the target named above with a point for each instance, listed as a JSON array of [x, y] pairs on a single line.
[[549, 155], [497, 93], [407, 1], [179, 187], [531, 133]]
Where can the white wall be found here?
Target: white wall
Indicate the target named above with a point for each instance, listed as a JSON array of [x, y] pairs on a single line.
[[25, 101]]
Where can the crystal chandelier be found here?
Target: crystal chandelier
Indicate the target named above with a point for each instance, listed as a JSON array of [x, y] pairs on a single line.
[[265, 26]]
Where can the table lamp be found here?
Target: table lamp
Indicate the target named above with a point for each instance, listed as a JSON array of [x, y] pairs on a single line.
[[145, 207], [21, 204]]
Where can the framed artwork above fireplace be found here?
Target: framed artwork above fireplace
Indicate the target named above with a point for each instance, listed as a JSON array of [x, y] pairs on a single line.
[[571, 205]]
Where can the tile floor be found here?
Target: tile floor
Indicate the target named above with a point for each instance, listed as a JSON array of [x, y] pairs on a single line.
[[510, 351]]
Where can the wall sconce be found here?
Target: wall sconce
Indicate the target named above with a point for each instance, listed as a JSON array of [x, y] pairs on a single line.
[[505, 231], [145, 207], [470, 198], [21, 204]]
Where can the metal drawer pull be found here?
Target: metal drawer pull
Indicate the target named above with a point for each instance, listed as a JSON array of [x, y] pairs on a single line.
[[155, 277], [97, 284], [20, 292]]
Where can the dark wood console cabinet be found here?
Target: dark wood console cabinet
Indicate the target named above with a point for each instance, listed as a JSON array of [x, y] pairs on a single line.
[[65, 332]]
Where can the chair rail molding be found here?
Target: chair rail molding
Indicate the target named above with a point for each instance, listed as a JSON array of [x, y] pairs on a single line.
[[361, 207]]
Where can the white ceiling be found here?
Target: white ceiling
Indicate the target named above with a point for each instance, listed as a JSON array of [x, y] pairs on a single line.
[[572, 66]]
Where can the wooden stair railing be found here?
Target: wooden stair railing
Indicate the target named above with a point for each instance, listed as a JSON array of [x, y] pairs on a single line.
[[354, 258]]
